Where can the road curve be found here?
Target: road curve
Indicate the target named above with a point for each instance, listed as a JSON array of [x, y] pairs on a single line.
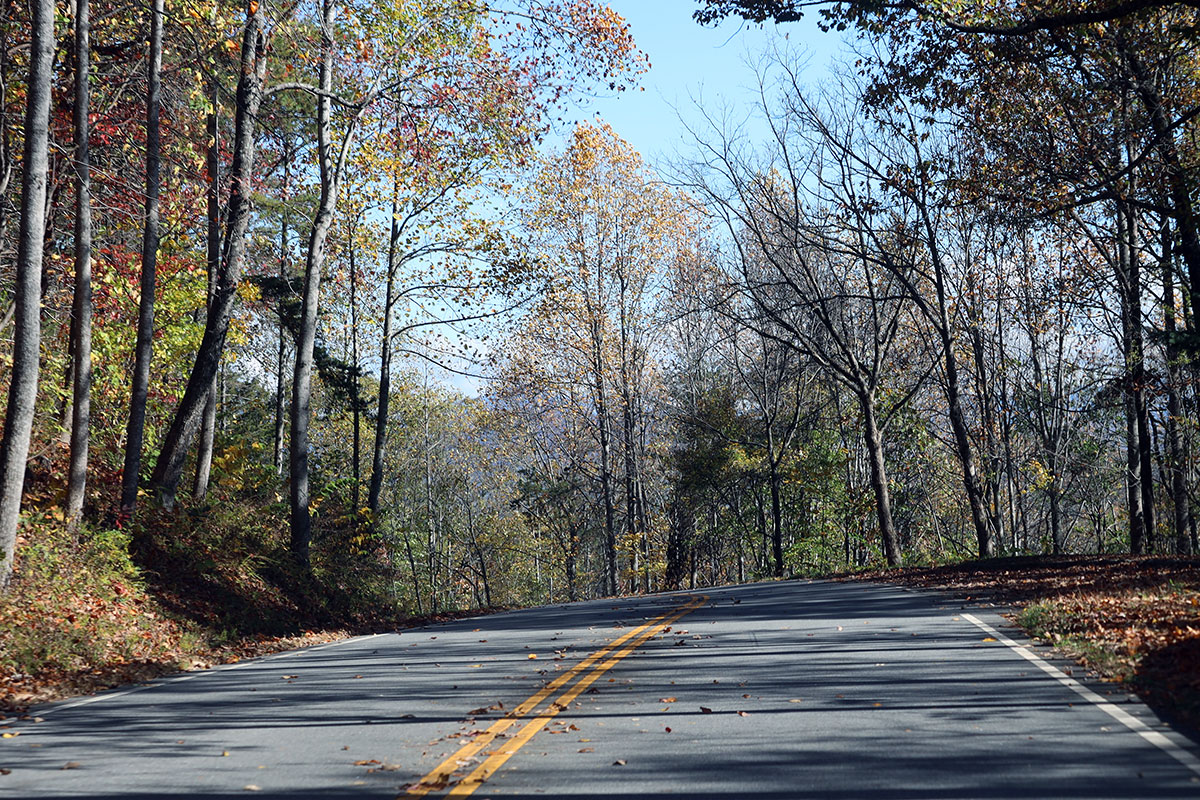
[[783, 690]]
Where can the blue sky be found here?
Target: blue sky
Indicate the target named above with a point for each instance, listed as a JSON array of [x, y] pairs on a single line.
[[690, 62]]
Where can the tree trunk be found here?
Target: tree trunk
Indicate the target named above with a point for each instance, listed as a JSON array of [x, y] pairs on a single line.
[[284, 273], [357, 409], [776, 510], [606, 481], [305, 341], [208, 428], [879, 482], [385, 361], [136, 429], [1137, 371], [1177, 446], [186, 422], [1126, 277], [81, 307], [962, 437], [27, 332]]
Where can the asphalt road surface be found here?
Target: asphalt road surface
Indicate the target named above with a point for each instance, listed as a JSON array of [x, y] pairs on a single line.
[[788, 690]]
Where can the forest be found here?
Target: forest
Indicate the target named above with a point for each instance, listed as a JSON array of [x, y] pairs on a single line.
[[322, 306]]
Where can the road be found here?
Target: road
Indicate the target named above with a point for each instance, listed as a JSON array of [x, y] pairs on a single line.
[[787, 690]]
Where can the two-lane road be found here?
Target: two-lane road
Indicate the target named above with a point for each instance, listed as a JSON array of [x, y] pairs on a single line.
[[790, 690]]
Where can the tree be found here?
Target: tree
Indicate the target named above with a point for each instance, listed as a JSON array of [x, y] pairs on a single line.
[[188, 416], [607, 233], [81, 317], [22, 389], [135, 431]]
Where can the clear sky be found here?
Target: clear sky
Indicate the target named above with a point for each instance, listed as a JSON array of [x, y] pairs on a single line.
[[690, 62]]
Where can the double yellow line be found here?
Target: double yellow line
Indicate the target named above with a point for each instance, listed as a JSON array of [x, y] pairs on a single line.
[[442, 776]]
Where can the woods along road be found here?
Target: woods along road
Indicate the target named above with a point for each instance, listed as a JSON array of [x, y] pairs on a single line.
[[786, 690]]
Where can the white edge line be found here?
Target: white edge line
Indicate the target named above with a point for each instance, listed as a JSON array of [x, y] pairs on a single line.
[[187, 676], [1156, 738]]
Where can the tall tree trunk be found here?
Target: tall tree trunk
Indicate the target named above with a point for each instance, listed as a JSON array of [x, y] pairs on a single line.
[[984, 541], [27, 333], [385, 360], [1138, 375], [140, 385], [873, 439], [284, 273], [306, 339], [776, 515], [1177, 446], [357, 406], [186, 422], [627, 463], [81, 307], [1130, 324], [208, 427], [606, 482]]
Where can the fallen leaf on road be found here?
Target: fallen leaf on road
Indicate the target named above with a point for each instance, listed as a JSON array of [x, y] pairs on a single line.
[[666, 699], [795, 700], [476, 666], [70, 765], [533, 655], [705, 710], [620, 762], [9, 735], [289, 677], [4, 771], [250, 787], [587, 750], [989, 638], [743, 713], [367, 762], [668, 730], [224, 753]]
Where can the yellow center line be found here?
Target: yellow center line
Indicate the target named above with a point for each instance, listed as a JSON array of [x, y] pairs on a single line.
[[485, 770], [441, 775]]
